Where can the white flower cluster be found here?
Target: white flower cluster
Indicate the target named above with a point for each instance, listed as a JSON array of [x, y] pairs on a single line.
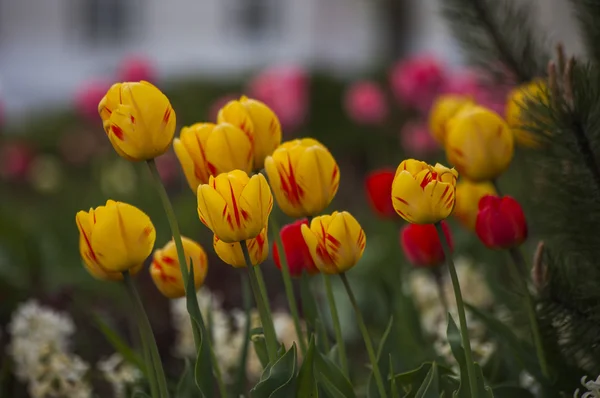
[[40, 350], [119, 373], [592, 387], [227, 332], [433, 317]]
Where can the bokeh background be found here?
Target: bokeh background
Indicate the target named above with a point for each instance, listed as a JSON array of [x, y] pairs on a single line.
[[358, 75]]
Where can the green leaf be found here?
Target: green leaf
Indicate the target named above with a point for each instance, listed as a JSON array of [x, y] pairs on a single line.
[[119, 344], [307, 383], [334, 356], [524, 353], [371, 388], [409, 381], [312, 314], [331, 378], [260, 346], [511, 392], [277, 380], [140, 394], [430, 386], [393, 385], [186, 387], [202, 374]]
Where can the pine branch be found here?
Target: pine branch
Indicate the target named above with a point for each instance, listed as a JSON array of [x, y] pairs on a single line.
[[588, 14], [498, 32]]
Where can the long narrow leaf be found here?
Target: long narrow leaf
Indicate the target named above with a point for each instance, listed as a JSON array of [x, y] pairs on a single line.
[[119, 344]]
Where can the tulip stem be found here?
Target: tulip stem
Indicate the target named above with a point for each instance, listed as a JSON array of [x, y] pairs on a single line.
[[287, 284], [267, 322], [365, 333], [337, 328], [437, 275], [519, 267], [460, 306], [263, 289], [192, 305], [147, 335]]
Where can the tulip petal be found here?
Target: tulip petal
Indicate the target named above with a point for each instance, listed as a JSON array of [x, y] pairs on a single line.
[[236, 114], [211, 207], [256, 203], [315, 238], [441, 197], [138, 232], [318, 173], [108, 241], [228, 148], [190, 149], [412, 166], [281, 170], [267, 129], [409, 200], [345, 241], [231, 253]]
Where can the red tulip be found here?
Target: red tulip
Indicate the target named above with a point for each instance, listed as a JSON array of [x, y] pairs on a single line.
[[422, 246], [296, 251], [500, 223], [379, 191]]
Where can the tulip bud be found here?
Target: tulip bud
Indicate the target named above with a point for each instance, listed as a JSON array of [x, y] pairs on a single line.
[[444, 109], [516, 109], [114, 238], [479, 144], [304, 177], [232, 254], [468, 195], [421, 244], [166, 271], [379, 191], [500, 222], [259, 123], [138, 119], [235, 207], [296, 252], [206, 149], [423, 194], [335, 242]]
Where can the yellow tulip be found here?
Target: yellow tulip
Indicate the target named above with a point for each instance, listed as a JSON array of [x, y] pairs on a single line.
[[259, 123], [304, 177], [166, 272], [336, 242], [423, 194], [515, 109], [138, 119], [479, 144], [445, 108], [206, 149], [231, 253], [468, 195], [114, 238], [234, 206]]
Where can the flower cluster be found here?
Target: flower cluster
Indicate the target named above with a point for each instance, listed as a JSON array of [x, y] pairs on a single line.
[[119, 373]]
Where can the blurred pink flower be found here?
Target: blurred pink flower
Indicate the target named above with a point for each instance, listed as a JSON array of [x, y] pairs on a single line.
[[168, 167], [15, 160], [365, 103], [217, 104], [417, 140], [417, 81], [135, 68], [87, 97], [286, 91]]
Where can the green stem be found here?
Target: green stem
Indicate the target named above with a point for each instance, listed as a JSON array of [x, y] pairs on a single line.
[[240, 379], [437, 275], [267, 323], [519, 266], [263, 289], [337, 328], [287, 284], [460, 306], [193, 308], [365, 333], [146, 330]]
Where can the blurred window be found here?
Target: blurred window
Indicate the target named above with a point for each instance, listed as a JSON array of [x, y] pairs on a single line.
[[107, 21], [259, 19]]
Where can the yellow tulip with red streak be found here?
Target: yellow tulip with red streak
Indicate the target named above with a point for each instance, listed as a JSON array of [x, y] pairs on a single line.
[[336, 242], [479, 144], [231, 253], [304, 177], [517, 106], [114, 238], [166, 271], [445, 108], [207, 149], [138, 120], [234, 206], [423, 194], [259, 123], [468, 195]]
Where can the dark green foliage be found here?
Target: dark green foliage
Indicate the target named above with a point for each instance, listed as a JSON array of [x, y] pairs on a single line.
[[496, 33], [588, 14]]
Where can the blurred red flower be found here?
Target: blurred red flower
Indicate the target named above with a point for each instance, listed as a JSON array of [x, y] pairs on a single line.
[[365, 103], [296, 251], [422, 246], [135, 68], [15, 160], [501, 223], [379, 190]]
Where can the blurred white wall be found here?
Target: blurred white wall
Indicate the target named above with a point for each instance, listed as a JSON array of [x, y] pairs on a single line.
[[49, 47]]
